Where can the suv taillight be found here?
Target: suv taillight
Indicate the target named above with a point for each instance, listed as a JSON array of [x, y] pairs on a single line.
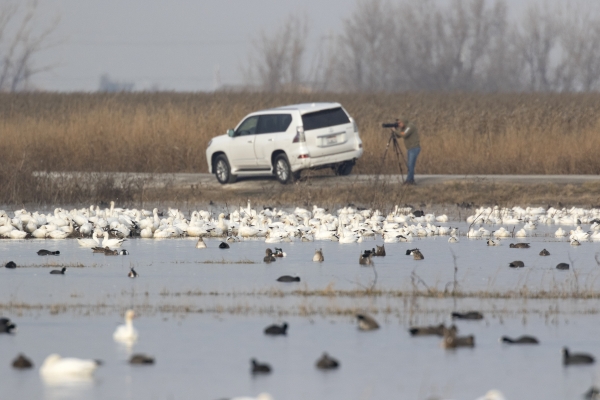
[[299, 135]]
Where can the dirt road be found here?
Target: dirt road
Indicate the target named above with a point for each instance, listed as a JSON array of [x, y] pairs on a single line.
[[243, 184]]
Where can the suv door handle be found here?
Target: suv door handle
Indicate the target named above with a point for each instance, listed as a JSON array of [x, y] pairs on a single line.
[[269, 140], [249, 141]]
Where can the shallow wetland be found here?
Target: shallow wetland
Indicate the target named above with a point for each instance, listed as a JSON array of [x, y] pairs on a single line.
[[201, 313]]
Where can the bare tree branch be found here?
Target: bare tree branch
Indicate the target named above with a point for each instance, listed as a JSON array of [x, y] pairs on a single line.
[[276, 62], [18, 51]]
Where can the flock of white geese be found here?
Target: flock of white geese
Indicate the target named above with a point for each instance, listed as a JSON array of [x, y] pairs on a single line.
[[109, 227]]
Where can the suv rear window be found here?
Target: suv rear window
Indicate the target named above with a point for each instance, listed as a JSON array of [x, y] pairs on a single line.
[[272, 123], [324, 119]]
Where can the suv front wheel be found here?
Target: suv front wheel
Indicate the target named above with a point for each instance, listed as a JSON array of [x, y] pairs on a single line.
[[283, 171], [223, 170]]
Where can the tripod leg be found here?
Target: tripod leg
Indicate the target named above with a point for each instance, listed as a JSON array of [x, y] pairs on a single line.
[[399, 153], [384, 154]]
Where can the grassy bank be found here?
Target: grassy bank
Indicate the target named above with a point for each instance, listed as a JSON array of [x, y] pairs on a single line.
[[168, 132]]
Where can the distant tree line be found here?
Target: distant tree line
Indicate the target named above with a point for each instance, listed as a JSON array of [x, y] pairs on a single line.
[[466, 45]]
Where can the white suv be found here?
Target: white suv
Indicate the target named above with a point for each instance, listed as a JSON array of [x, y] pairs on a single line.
[[284, 141]]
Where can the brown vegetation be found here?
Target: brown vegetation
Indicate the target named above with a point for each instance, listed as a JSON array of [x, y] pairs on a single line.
[[168, 132]]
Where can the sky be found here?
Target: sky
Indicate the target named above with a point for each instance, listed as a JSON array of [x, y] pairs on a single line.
[[182, 45]]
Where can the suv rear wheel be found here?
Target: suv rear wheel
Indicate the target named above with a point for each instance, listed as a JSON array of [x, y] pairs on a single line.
[[223, 170], [283, 171], [344, 168]]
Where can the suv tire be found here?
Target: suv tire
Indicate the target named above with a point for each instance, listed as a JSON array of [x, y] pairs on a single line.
[[282, 169], [345, 168], [223, 170]]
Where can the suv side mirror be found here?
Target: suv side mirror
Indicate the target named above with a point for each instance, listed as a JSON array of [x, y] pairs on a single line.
[[230, 132]]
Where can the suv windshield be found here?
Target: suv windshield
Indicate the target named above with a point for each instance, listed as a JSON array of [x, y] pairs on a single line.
[[324, 119]]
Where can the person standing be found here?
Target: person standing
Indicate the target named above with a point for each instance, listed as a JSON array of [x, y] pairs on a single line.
[[408, 131]]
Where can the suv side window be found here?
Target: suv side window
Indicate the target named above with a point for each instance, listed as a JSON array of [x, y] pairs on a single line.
[[248, 127], [271, 123], [324, 119]]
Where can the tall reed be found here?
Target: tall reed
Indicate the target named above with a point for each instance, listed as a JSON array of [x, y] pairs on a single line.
[[168, 132]]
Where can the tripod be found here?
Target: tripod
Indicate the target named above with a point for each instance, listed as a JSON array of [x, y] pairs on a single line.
[[398, 152]]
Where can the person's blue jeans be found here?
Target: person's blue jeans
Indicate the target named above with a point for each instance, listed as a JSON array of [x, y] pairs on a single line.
[[412, 160]]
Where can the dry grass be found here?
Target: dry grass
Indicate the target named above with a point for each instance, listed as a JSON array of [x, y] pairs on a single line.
[[54, 264], [168, 132]]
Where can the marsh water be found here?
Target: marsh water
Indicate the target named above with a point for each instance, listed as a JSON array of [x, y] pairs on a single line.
[[201, 314]]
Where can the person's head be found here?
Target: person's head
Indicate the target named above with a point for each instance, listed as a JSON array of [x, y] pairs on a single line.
[[402, 122]]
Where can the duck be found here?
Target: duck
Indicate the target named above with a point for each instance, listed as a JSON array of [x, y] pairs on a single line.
[[276, 329], [223, 245], [123, 252], [453, 239], [520, 340], [44, 252], [269, 256], [100, 249], [110, 252], [318, 257], [10, 265], [379, 250], [491, 242], [7, 326], [428, 330], [470, 315], [288, 278], [452, 341], [58, 271], [141, 359], [577, 358], [516, 264], [416, 253], [562, 266], [200, 243], [126, 333], [56, 366], [279, 252], [366, 322], [519, 245], [22, 362], [575, 242], [593, 393], [365, 258], [260, 368], [327, 362], [132, 273], [544, 253]]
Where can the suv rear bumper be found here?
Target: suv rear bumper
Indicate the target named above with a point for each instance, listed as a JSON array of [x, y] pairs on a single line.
[[316, 162]]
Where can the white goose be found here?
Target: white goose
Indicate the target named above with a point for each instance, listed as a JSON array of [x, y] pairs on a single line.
[[17, 234], [126, 333], [521, 233], [93, 242], [56, 366], [262, 396], [111, 242]]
